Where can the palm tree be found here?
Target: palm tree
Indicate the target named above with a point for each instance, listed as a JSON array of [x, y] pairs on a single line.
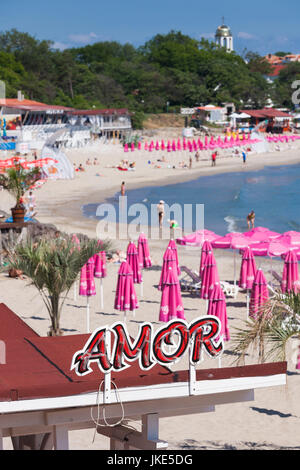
[[270, 333], [53, 266]]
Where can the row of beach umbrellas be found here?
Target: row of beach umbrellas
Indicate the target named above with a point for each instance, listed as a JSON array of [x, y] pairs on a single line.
[[193, 145]]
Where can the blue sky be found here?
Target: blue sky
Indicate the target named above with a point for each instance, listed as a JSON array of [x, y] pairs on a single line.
[[261, 26]]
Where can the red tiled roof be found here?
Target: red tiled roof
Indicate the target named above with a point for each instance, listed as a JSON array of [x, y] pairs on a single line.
[[30, 105], [265, 113], [95, 112], [276, 70]]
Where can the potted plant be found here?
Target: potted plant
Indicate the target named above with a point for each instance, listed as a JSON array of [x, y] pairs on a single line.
[[17, 181]]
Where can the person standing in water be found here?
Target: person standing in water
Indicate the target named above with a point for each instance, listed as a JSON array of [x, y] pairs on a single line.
[[251, 219], [123, 188], [161, 212]]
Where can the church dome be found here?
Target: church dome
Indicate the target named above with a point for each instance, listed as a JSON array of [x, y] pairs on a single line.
[[223, 31]]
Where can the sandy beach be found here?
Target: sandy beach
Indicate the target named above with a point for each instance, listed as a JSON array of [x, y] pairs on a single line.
[[272, 420]]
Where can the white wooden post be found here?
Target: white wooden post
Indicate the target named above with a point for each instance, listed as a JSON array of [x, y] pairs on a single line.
[[150, 426], [107, 375], [192, 369], [61, 437]]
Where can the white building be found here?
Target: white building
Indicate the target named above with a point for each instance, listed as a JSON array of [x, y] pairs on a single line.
[[224, 38]]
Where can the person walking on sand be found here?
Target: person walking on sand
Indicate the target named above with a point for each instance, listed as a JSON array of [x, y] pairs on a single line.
[[123, 188], [244, 155], [251, 219], [213, 159], [190, 163], [161, 212]]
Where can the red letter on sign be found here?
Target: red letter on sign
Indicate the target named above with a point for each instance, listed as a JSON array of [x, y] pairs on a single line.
[[164, 335], [125, 348], [94, 350], [206, 332]]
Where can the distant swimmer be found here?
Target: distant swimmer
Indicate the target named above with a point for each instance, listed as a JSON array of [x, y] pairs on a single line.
[[123, 188], [251, 219], [161, 212]]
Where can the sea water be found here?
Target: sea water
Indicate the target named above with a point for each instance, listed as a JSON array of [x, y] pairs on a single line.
[[273, 193]]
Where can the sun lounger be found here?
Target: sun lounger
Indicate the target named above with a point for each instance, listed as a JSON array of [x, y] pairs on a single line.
[[230, 290], [190, 281], [276, 276]]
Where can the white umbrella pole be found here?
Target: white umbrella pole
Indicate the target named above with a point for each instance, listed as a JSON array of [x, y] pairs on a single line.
[[234, 264], [247, 301], [142, 289], [125, 315], [133, 313], [101, 294], [219, 358], [88, 315], [206, 306]]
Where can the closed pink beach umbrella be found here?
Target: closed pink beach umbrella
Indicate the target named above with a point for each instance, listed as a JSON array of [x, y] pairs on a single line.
[[171, 302], [125, 299], [169, 260], [248, 270], [178, 144], [210, 276], [87, 287], [139, 146], [126, 148], [217, 308], [290, 275], [169, 146], [143, 252], [157, 145], [133, 261], [259, 294], [132, 146], [184, 145], [146, 146], [100, 271], [206, 248], [173, 146], [172, 245], [162, 145]]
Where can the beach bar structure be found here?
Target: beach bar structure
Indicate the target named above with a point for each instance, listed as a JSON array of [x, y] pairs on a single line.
[[32, 120], [41, 399], [270, 119]]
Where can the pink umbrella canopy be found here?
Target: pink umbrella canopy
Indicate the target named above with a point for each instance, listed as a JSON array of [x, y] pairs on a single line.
[[248, 270], [225, 242], [125, 299], [261, 234], [173, 247], [217, 307], [292, 237], [143, 252], [100, 264], [278, 248], [169, 260], [87, 286], [259, 294], [206, 248], [197, 238], [133, 261], [210, 276], [171, 302], [290, 275]]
